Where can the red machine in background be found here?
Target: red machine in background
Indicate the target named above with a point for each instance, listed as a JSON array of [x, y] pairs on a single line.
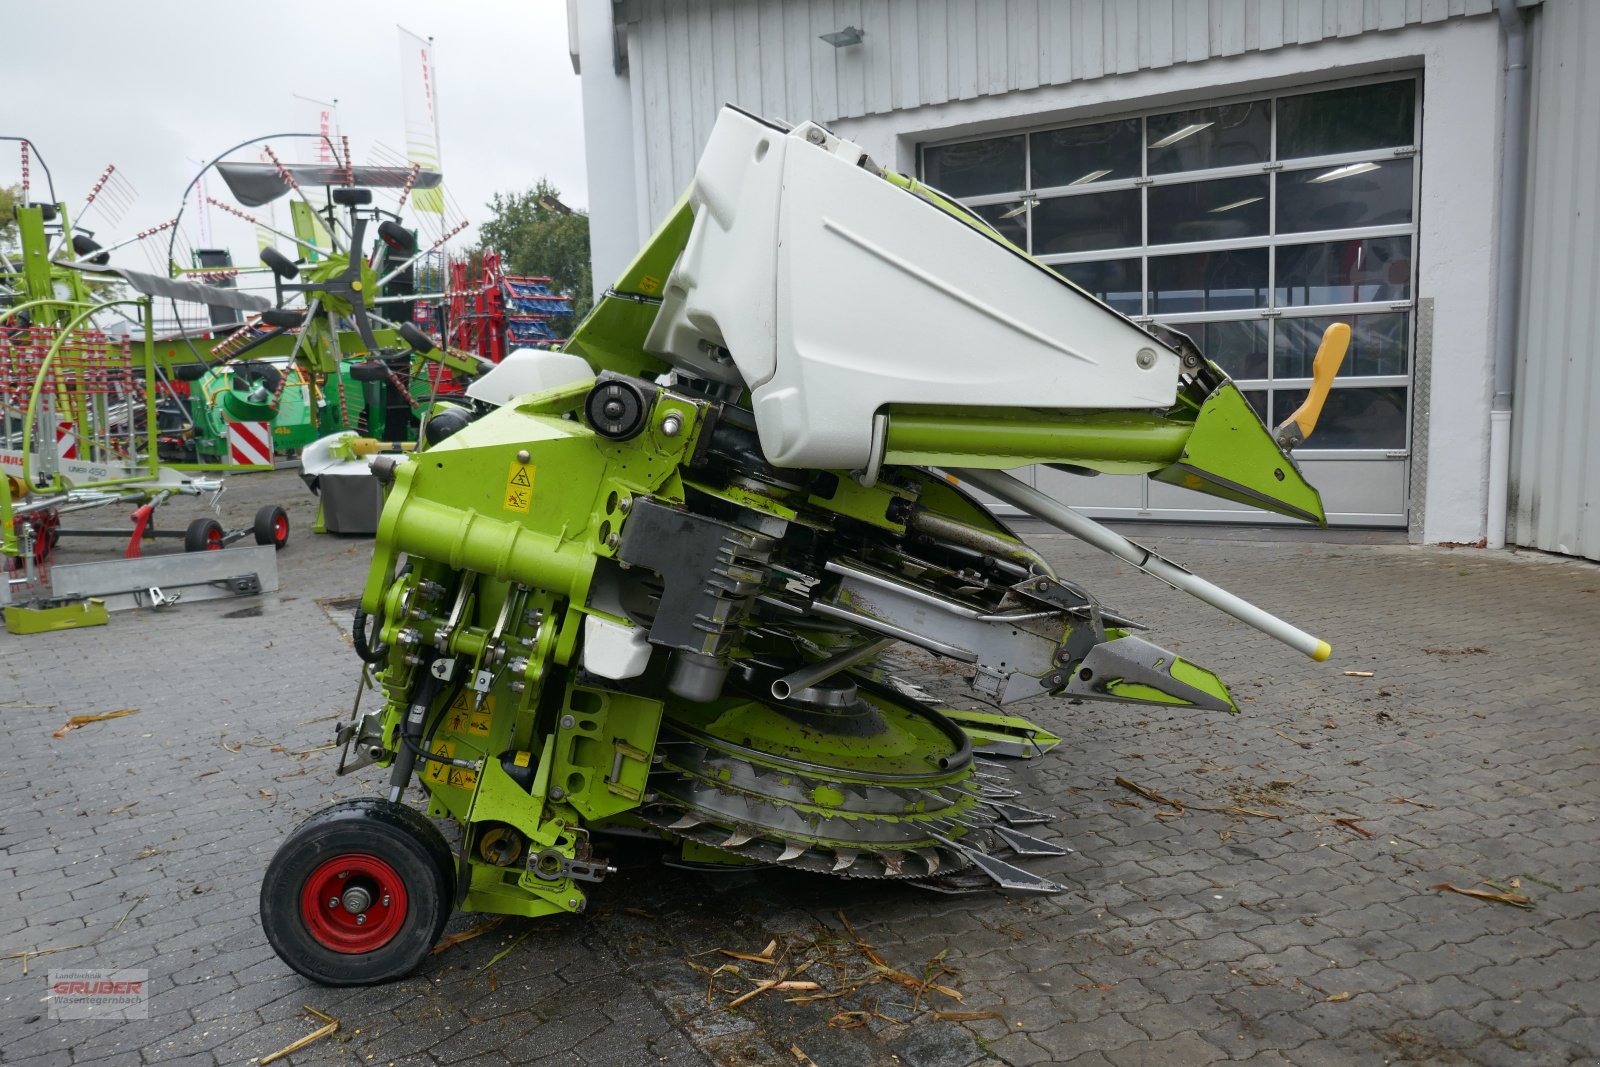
[[493, 313]]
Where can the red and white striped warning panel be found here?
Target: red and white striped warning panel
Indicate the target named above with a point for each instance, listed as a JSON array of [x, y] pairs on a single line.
[[250, 443], [66, 441]]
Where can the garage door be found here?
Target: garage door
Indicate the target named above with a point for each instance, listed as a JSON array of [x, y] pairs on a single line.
[[1250, 225]]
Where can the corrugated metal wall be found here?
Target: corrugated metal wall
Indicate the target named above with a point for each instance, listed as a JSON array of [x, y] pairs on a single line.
[[1555, 490], [688, 57]]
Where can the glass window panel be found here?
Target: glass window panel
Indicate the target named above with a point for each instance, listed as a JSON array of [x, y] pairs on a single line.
[[1240, 348], [1086, 222], [1208, 211], [1356, 119], [1082, 155], [1014, 229], [1116, 282], [1225, 136], [1344, 272], [1258, 400], [1379, 344], [1372, 417], [975, 168], [1208, 281], [1336, 198]]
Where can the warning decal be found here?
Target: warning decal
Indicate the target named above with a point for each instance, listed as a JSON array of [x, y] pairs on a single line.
[[444, 774], [519, 487], [463, 719]]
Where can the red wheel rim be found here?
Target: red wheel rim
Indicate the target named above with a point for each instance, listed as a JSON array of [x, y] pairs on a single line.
[[280, 528], [364, 882], [214, 539]]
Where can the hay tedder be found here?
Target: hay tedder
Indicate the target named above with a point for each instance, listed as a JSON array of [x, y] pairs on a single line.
[[84, 401], [645, 584]]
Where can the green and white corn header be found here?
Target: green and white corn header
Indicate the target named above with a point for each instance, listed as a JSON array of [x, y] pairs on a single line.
[[645, 584]]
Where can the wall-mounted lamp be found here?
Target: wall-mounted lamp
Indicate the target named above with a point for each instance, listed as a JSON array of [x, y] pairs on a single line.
[[843, 38]]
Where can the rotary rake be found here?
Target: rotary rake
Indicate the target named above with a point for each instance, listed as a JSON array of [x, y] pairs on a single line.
[[646, 584]]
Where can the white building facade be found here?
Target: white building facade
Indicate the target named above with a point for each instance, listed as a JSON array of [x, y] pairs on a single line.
[[1247, 170]]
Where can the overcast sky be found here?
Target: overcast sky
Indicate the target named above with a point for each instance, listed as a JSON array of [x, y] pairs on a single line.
[[149, 86]]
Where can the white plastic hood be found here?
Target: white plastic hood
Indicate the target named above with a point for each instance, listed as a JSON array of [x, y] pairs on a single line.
[[832, 293]]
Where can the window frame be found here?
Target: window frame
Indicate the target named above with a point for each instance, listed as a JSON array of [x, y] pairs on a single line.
[[1271, 241]]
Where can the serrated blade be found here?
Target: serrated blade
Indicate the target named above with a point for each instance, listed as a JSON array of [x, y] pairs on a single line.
[[1015, 814], [1026, 845], [1003, 874]]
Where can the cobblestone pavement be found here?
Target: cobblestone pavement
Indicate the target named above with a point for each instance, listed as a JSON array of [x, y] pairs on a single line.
[[1189, 936]]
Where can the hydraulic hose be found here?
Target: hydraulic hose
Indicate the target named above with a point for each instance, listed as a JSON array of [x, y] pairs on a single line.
[[411, 729], [358, 638]]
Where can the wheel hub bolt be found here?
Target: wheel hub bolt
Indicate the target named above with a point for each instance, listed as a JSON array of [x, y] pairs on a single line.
[[333, 902], [357, 899], [361, 920]]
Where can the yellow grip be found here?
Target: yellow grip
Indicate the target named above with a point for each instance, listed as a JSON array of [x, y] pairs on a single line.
[[1294, 430]]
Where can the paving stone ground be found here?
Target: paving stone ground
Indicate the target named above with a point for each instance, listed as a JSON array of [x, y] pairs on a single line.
[[1187, 937]]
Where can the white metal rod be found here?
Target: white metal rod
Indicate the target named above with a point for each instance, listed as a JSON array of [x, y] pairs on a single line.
[[1057, 514]]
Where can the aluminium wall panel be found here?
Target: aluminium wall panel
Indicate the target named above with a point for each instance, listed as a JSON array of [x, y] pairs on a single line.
[[766, 55], [1555, 461]]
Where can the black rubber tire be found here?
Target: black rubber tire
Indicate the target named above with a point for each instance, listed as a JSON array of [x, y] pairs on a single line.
[[269, 376], [278, 263], [397, 237], [84, 246], [399, 836], [190, 372], [272, 527], [414, 337], [284, 318], [203, 535], [369, 371]]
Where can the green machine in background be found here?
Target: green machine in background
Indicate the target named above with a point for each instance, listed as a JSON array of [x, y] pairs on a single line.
[[358, 395], [645, 584], [334, 349]]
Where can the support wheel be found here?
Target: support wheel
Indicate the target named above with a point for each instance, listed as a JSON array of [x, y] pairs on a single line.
[[358, 893], [203, 535], [272, 527]]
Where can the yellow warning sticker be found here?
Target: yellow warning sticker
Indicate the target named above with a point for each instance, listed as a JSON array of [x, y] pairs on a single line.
[[519, 487], [463, 718], [649, 283], [444, 774], [439, 772]]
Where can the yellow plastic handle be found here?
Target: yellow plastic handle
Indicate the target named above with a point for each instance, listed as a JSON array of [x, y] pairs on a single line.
[[1293, 431]]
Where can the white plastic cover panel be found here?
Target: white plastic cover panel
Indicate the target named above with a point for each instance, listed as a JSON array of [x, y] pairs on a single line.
[[837, 293], [528, 370]]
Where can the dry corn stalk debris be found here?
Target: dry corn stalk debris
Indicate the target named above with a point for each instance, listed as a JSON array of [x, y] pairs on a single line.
[[330, 1026], [1178, 807], [455, 939], [77, 721], [1516, 900], [825, 966]]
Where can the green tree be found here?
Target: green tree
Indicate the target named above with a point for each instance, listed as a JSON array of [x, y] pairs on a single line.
[[8, 223], [540, 236]]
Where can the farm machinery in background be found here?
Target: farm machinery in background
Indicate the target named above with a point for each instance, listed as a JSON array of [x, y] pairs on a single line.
[[494, 313], [82, 398], [336, 349], [645, 585]]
